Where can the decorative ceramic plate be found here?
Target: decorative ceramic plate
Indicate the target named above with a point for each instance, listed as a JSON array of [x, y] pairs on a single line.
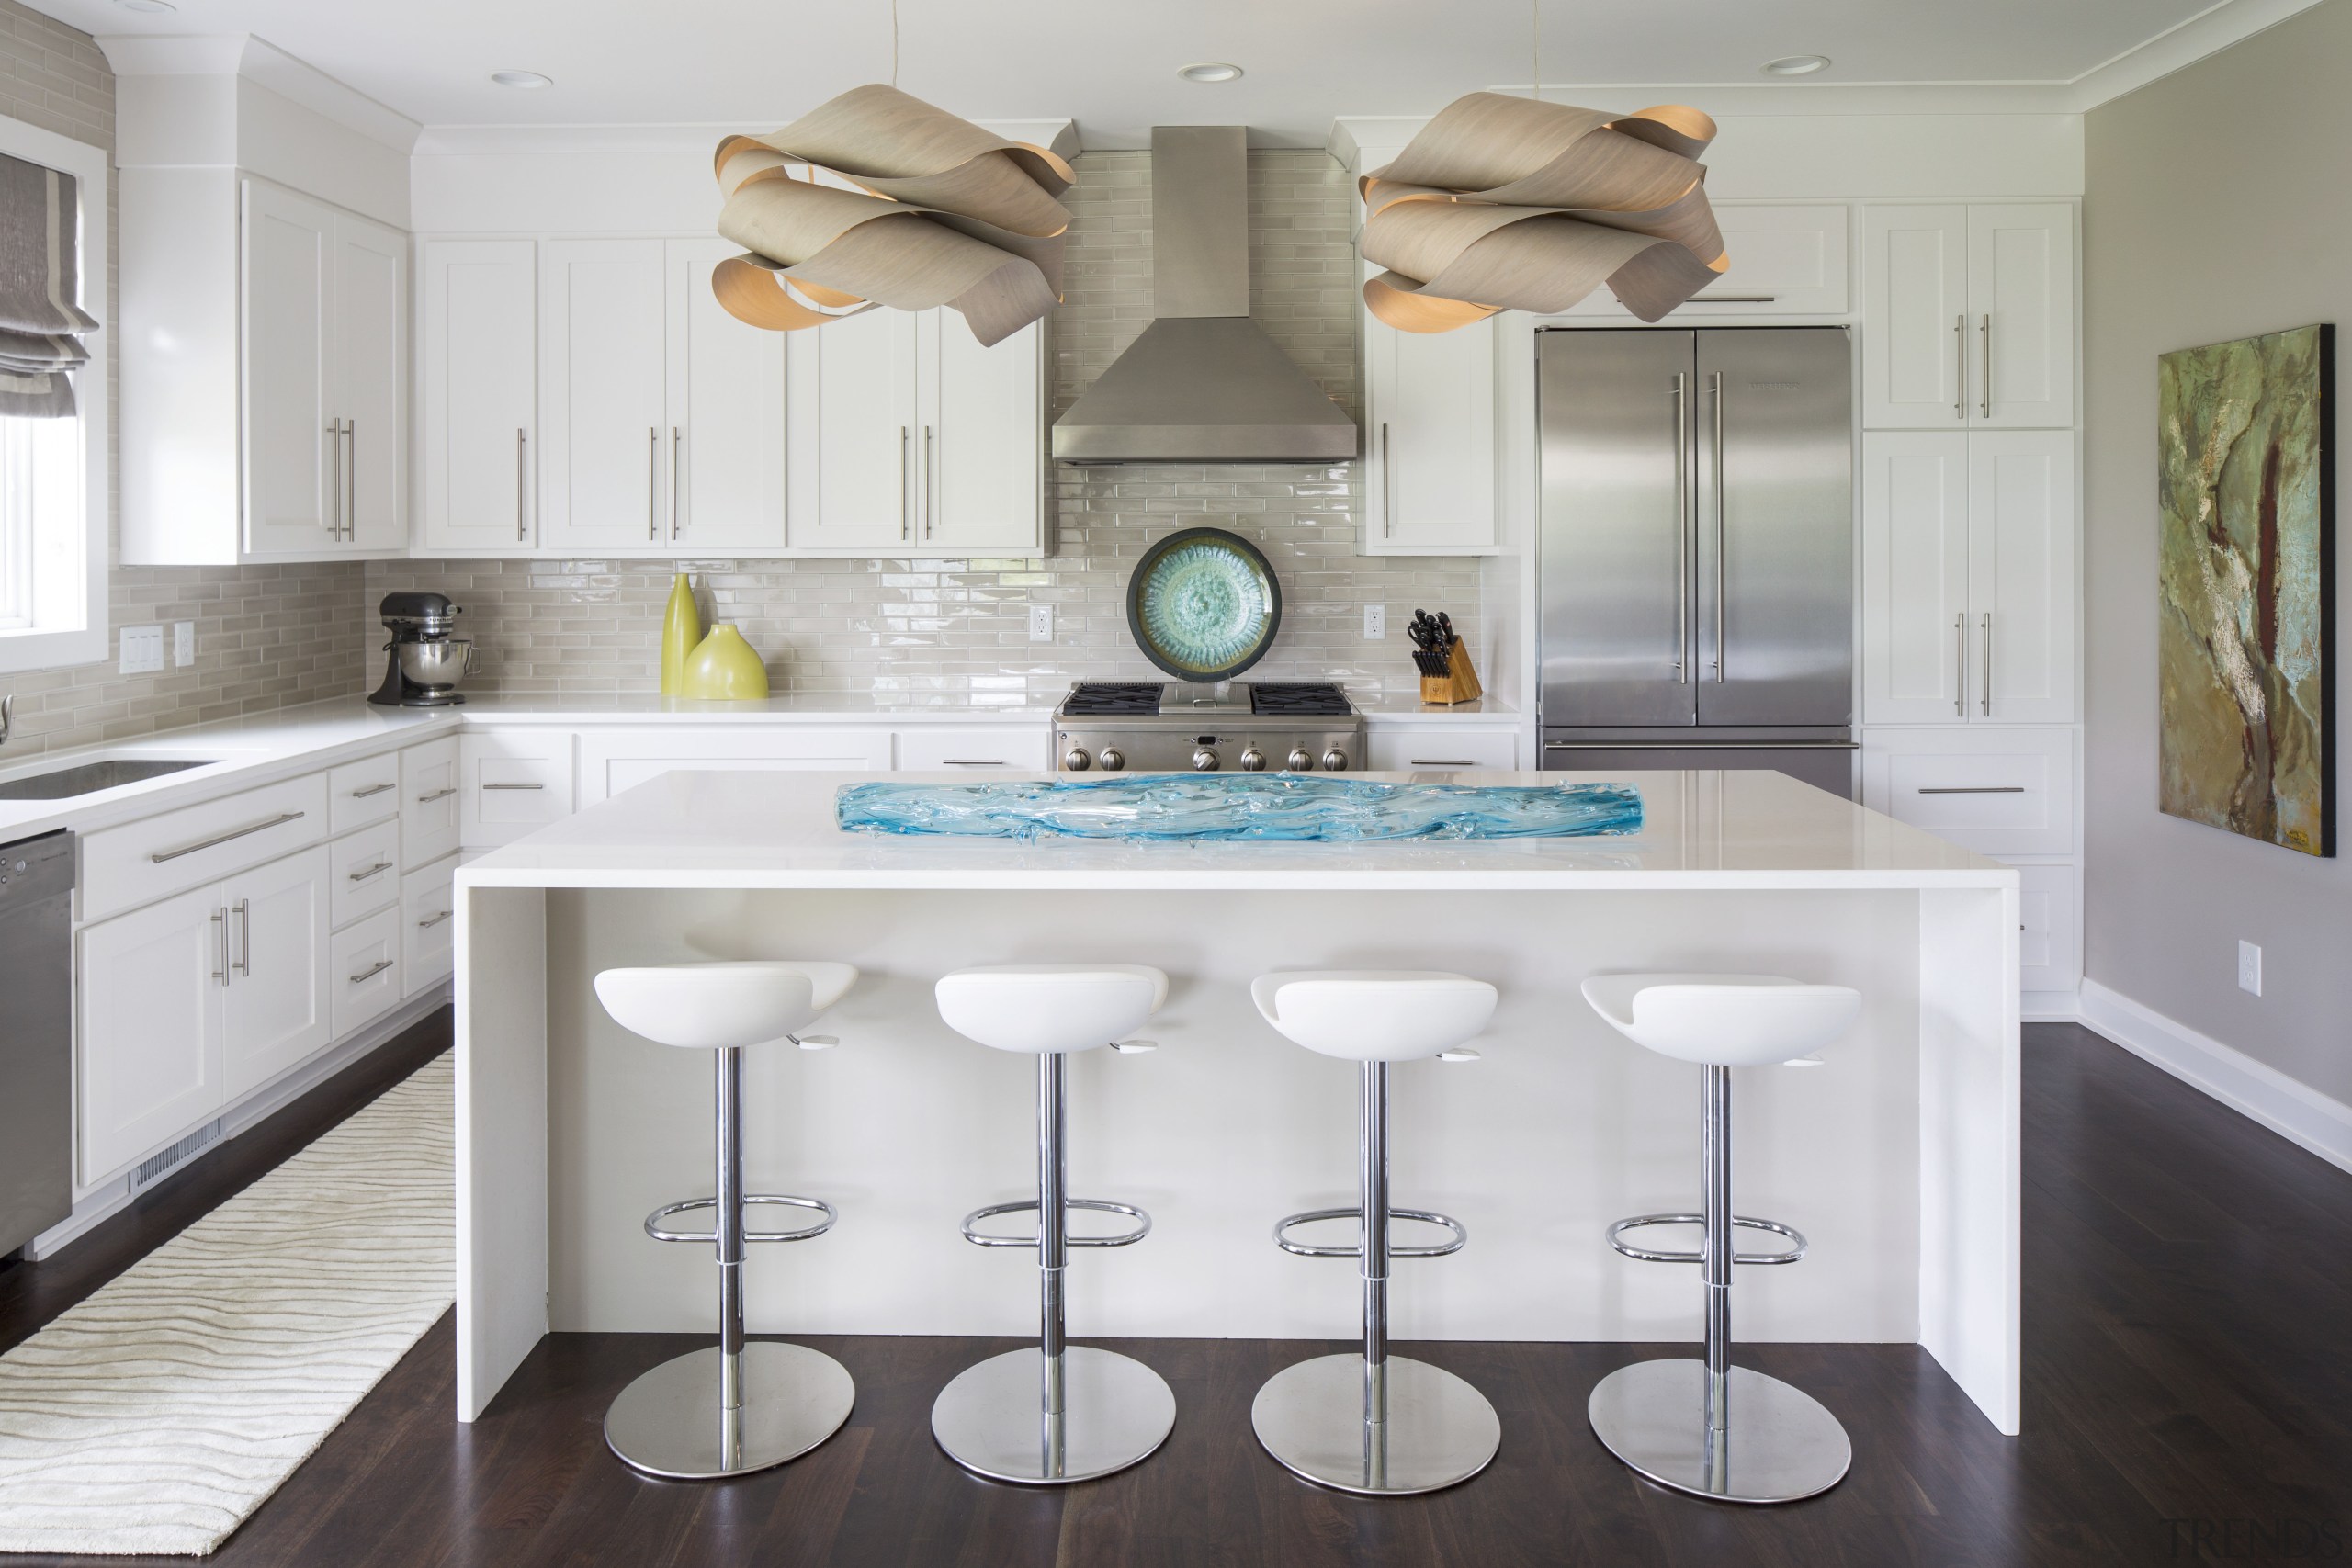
[[1203, 605]]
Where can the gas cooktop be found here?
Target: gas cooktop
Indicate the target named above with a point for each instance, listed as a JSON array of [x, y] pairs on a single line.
[[1156, 725], [1143, 699]]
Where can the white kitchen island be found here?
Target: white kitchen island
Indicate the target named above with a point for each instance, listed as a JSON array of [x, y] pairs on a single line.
[[1898, 1156]]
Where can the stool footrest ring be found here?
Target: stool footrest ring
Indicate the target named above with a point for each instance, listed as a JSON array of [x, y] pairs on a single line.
[[1307, 1249], [1029, 1206], [1651, 1255], [653, 1221]]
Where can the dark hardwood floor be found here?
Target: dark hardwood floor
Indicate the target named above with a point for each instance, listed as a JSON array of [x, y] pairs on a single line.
[[2188, 1398]]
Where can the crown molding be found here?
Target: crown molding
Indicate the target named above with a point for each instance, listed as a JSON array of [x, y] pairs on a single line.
[[2207, 33], [1056, 136], [265, 65]]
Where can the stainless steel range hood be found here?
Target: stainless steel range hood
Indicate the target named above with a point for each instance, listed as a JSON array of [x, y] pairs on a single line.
[[1203, 384]]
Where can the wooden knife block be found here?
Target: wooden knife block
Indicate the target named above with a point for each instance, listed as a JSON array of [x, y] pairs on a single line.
[[1458, 685]]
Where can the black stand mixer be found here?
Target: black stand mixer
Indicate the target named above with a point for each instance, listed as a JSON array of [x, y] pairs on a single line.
[[426, 657]]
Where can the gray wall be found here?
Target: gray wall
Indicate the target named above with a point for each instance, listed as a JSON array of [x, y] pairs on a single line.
[[2215, 209]]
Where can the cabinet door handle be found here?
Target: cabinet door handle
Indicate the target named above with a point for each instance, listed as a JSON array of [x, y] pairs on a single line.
[[1443, 763], [369, 973], [521, 486], [1681, 530], [377, 870], [676, 435], [971, 761], [1960, 667], [1986, 367], [1960, 366], [930, 482], [1972, 789], [333, 508], [1387, 483], [281, 819], [351, 482], [652, 483], [427, 923], [514, 786], [245, 938], [372, 789], [1985, 694], [902, 481], [220, 920], [431, 795], [1723, 654]]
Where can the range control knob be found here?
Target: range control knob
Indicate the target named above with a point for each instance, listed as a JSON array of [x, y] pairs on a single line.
[[1300, 760], [1203, 759], [1076, 760], [1335, 760], [1253, 760], [1111, 759]]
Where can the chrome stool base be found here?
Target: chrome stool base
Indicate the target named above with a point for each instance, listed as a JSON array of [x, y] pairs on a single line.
[[1439, 1430], [1777, 1442], [669, 1422], [1114, 1411]]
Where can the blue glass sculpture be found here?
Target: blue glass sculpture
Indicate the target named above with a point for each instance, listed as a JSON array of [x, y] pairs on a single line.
[[1281, 808]]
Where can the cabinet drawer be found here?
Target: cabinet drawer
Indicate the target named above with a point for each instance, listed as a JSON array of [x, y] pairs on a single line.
[[1999, 792], [1784, 261], [976, 748], [364, 872], [363, 971], [429, 803], [622, 758], [514, 781], [143, 860], [363, 792], [1429, 749], [2049, 947], [428, 921]]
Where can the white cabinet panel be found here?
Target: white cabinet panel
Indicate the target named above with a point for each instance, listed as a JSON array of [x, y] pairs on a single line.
[[2050, 927], [370, 359], [514, 781], [428, 909], [853, 413], [289, 448], [1914, 576], [1430, 438], [2021, 308], [196, 844], [2005, 792], [478, 360], [1915, 317], [976, 748], [2021, 575], [150, 1056], [1435, 748], [604, 364], [363, 792], [982, 466], [429, 801], [363, 872], [1785, 261], [363, 970], [613, 760], [726, 431], [274, 1005]]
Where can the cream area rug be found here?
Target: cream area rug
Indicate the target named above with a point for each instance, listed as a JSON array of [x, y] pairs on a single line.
[[158, 1415]]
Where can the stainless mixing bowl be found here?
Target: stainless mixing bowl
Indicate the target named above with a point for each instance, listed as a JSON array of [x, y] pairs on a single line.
[[436, 663]]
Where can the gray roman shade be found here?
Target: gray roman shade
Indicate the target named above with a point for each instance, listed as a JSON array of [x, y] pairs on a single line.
[[40, 284]]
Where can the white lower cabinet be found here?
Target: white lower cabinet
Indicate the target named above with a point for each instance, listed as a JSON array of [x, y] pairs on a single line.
[[150, 1062], [364, 970], [513, 781], [625, 756], [366, 867], [275, 999], [980, 748], [1429, 747], [429, 803], [1999, 792], [428, 921], [2050, 956]]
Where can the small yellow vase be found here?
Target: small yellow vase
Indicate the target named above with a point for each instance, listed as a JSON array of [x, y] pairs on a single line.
[[723, 668], [681, 633]]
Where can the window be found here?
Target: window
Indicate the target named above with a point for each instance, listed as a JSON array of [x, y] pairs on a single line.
[[53, 485]]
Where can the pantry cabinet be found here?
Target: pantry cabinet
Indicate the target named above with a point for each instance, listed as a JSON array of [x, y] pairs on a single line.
[[1969, 315]]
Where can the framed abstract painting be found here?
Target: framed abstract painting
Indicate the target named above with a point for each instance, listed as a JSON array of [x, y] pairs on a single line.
[[2246, 639]]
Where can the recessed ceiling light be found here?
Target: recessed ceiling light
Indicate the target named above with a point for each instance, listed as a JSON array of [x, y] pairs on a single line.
[[147, 5], [1797, 65], [1210, 71], [521, 79]]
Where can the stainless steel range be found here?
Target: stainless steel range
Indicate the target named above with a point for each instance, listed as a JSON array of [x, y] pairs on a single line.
[[1170, 726]]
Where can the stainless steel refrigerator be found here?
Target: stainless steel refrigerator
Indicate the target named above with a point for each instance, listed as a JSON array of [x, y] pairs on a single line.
[[1697, 553]]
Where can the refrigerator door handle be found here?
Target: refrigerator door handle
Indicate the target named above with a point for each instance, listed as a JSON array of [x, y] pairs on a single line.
[[1681, 528], [1715, 387]]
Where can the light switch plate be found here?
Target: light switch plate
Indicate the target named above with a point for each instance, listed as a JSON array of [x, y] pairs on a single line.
[[1041, 623], [1376, 623], [142, 649], [183, 643], [2249, 968]]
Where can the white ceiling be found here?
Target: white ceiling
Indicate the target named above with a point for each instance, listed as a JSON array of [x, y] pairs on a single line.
[[1109, 64]]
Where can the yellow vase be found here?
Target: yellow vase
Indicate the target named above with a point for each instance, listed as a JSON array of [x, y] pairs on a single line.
[[723, 668], [681, 632]]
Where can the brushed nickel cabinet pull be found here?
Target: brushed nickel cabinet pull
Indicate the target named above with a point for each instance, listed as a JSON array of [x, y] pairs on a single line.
[[1387, 483], [372, 789], [971, 761], [652, 483], [514, 786], [351, 482], [903, 456], [431, 920], [245, 938], [930, 482], [377, 870], [1733, 298], [278, 820], [333, 508], [431, 795], [676, 435], [1443, 763], [1972, 789], [1985, 368], [1960, 366], [522, 487], [220, 919], [1960, 667], [1984, 695], [365, 974]]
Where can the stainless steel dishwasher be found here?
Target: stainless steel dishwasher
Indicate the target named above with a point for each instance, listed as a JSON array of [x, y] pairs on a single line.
[[35, 1037]]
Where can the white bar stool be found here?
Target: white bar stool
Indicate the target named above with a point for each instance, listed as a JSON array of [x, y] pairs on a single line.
[[1374, 1424], [1708, 1428], [735, 1407], [1060, 1413]]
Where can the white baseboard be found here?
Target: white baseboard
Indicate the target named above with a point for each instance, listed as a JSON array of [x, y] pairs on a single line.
[[105, 1202], [2050, 1006], [2293, 1109]]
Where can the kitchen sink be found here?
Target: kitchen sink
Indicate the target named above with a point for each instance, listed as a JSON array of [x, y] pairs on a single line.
[[86, 778]]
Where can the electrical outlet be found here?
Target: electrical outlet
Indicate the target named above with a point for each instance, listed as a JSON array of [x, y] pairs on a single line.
[[1041, 623], [183, 643], [142, 649], [1376, 623], [2249, 968]]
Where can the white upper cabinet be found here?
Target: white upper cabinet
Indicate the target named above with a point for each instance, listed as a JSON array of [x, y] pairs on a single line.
[[1968, 564], [325, 314], [981, 461], [853, 423], [603, 367], [1968, 317], [477, 362], [1429, 435], [1785, 261], [724, 439]]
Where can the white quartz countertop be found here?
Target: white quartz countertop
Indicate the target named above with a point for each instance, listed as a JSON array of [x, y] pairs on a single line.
[[1710, 830]]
